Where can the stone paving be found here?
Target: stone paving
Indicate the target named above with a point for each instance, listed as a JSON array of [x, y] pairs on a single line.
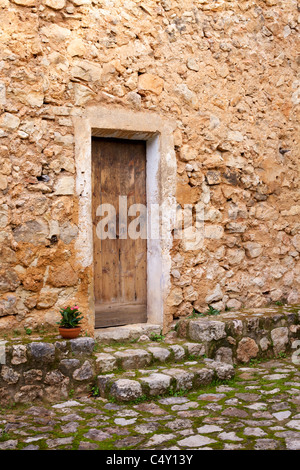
[[259, 409]]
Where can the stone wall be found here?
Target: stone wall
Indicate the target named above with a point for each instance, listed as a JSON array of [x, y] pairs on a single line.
[[252, 335], [47, 371], [225, 71]]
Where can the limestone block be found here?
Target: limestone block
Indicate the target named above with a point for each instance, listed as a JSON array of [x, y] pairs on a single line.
[[235, 256], [105, 362], [213, 232], [160, 354], [19, 354], [3, 182], [213, 177], [25, 3], [187, 95], [253, 250], [195, 349], [76, 47], [178, 352], [42, 352], [68, 232], [9, 280], [85, 70], [28, 394], [9, 121], [79, 3], [234, 304], [247, 349], [223, 371], [224, 354], [203, 376], [55, 4], [85, 372], [47, 298], [64, 186], [82, 345], [56, 32], [206, 330], [157, 384], [133, 359], [296, 242], [9, 375], [235, 136], [264, 343], [192, 64], [188, 153], [149, 82], [33, 231], [184, 379], [126, 390], [54, 377], [2, 94], [62, 276], [280, 339], [175, 297], [33, 375], [67, 366], [215, 295]]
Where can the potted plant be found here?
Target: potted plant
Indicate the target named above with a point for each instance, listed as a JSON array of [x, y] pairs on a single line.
[[69, 323]]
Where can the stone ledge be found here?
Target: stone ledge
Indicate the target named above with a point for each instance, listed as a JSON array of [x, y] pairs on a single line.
[[240, 337], [45, 370], [188, 376], [126, 333]]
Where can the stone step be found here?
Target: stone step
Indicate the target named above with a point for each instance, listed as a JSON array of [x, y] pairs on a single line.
[[127, 333], [146, 355], [239, 337], [163, 381]]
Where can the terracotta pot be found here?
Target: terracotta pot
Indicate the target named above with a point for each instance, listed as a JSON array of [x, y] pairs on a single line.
[[69, 333]]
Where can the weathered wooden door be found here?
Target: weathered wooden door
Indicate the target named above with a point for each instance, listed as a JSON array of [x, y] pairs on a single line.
[[120, 261]]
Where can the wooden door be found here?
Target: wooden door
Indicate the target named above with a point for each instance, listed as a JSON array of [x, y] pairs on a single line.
[[120, 263]]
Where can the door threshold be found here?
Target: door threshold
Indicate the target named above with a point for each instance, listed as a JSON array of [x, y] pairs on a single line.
[[126, 332]]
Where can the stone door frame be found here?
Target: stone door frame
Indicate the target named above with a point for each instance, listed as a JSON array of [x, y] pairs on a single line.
[[161, 170]]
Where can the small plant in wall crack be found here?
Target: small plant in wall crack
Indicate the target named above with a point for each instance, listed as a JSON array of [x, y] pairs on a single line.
[[157, 337], [212, 311], [94, 391]]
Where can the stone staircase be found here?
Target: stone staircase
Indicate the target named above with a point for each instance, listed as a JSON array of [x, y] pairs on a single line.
[[198, 350], [136, 362], [151, 370]]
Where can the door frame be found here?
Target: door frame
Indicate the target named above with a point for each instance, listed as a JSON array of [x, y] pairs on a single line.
[[157, 132]]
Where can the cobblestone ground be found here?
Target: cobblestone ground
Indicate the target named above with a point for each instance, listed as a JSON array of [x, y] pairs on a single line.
[[258, 410]]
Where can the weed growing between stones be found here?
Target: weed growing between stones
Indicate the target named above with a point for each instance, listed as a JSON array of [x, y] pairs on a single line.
[[157, 337]]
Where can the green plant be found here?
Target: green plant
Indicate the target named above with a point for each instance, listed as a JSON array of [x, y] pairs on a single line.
[[28, 331], [192, 357], [95, 392], [156, 337], [212, 311], [4, 437], [282, 355], [70, 317], [195, 314], [176, 393]]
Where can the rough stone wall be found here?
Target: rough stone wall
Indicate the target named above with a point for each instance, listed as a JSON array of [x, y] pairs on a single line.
[[225, 70]]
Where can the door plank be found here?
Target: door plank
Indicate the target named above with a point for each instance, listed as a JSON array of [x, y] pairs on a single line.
[[120, 265]]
